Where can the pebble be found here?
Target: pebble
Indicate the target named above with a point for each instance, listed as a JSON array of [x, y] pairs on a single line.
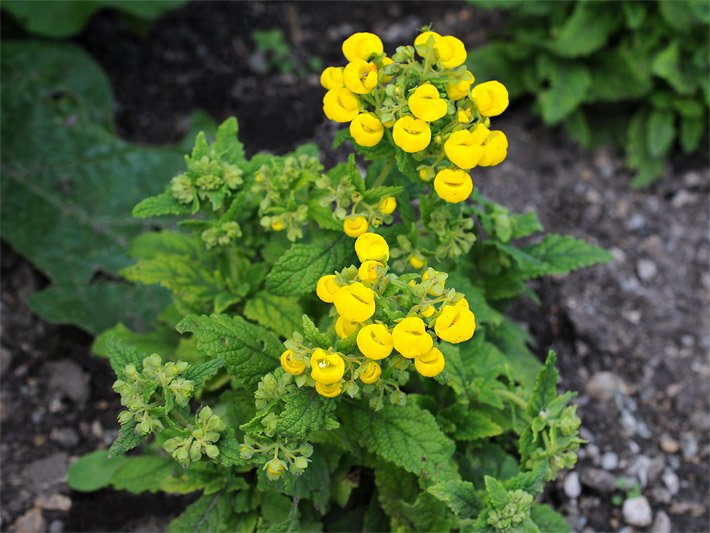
[[56, 526], [67, 437], [671, 480], [53, 502], [46, 472], [30, 522], [683, 198], [637, 512], [602, 386], [662, 523], [636, 221], [599, 480], [572, 486], [69, 378], [669, 444], [610, 461], [646, 269], [689, 445]]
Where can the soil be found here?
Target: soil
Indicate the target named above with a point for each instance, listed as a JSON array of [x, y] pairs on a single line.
[[632, 336]]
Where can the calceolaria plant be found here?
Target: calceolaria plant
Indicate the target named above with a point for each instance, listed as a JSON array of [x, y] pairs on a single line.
[[342, 357]]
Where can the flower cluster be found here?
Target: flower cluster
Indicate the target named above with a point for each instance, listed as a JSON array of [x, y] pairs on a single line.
[[200, 439], [390, 318], [427, 107]]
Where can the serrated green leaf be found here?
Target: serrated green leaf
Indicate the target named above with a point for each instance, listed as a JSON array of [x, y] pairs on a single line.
[[586, 30], [660, 133], [143, 474], [160, 205], [455, 373], [691, 133], [93, 471], [199, 374], [315, 335], [407, 436], [477, 425], [619, 74], [162, 341], [569, 83], [668, 65], [280, 314], [227, 143], [548, 520], [298, 270], [545, 389], [460, 496], [497, 495], [249, 351], [560, 254], [126, 441], [121, 354], [229, 450], [531, 482], [305, 411], [210, 513]]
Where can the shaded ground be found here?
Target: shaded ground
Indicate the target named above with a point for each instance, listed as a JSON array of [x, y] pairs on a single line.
[[633, 336]]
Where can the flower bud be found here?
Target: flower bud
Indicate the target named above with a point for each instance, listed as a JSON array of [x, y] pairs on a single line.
[[387, 205], [370, 270]]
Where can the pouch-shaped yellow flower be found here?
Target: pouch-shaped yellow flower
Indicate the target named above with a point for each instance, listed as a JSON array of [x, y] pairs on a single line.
[[326, 368], [355, 302], [355, 226], [490, 98], [410, 337], [428, 311], [291, 364], [426, 104], [370, 373], [360, 76], [411, 134], [329, 391], [332, 78], [367, 129], [278, 225], [362, 45], [375, 341], [370, 270], [458, 90], [453, 185], [387, 205], [344, 327], [431, 363], [464, 149], [326, 288], [423, 39], [371, 246], [451, 51], [417, 262], [340, 105], [455, 324], [495, 149]]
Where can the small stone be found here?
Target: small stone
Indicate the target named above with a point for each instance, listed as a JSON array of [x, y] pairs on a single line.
[[670, 479], [637, 221], [97, 429], [53, 502], [603, 386], [46, 472], [70, 379], [689, 445], [610, 461], [39, 440], [30, 522], [572, 486], [55, 405], [662, 523], [646, 269], [637, 512], [56, 526], [669, 444], [683, 198], [599, 480], [67, 437]]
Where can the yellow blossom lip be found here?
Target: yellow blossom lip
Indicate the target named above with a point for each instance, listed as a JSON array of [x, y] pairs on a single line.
[[458, 90], [370, 373], [495, 149], [344, 328], [431, 363], [451, 51], [360, 76], [362, 45], [367, 129], [355, 226], [453, 185], [425, 103], [292, 365], [455, 324], [326, 368], [329, 391], [463, 149], [423, 39], [332, 78], [355, 302], [375, 341], [340, 105], [370, 270], [387, 205], [411, 134], [416, 262], [373, 247], [326, 288], [411, 338], [490, 98]]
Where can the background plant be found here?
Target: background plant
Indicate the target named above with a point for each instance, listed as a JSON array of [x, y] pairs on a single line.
[[631, 74]]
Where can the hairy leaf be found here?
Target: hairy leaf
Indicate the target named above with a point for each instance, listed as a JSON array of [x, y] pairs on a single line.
[[280, 314], [305, 411], [545, 389], [460, 496]]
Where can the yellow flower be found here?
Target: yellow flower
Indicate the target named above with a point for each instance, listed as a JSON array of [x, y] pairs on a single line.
[[385, 62], [451, 51], [340, 105], [463, 149], [367, 129], [292, 365], [495, 149], [278, 225], [344, 328], [425, 103], [431, 363], [361, 46], [326, 368], [462, 303], [360, 76], [355, 226], [375, 341], [326, 288], [422, 40], [370, 270], [491, 98], [411, 338], [387, 205], [275, 468], [426, 173], [455, 324], [458, 90], [332, 78], [370, 373], [417, 262], [411, 134], [464, 116], [371, 246], [329, 391], [453, 185], [428, 311], [355, 302]]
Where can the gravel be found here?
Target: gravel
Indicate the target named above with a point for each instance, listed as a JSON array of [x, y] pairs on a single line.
[[637, 512]]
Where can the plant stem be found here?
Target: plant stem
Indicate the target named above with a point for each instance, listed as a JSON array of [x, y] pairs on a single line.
[[517, 400], [380, 179]]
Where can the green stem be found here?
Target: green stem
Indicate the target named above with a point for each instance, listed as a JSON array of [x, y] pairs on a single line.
[[512, 397], [177, 415], [380, 179]]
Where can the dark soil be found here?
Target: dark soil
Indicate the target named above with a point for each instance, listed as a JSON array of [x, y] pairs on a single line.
[[643, 317]]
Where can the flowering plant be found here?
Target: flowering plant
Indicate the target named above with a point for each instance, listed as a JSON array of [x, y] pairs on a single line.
[[345, 359]]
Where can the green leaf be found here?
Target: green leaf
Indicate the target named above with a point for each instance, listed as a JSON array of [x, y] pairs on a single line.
[[407, 436], [162, 341], [497, 495], [669, 65], [313, 334], [120, 355], [454, 374], [210, 513], [280, 314], [460, 496], [569, 84], [93, 471], [548, 520], [545, 389], [531, 482], [305, 411], [560, 254], [199, 374], [660, 133], [126, 441], [499, 61], [619, 74], [586, 30], [248, 351], [143, 474], [297, 271], [477, 425], [160, 205], [691, 133], [227, 142]]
